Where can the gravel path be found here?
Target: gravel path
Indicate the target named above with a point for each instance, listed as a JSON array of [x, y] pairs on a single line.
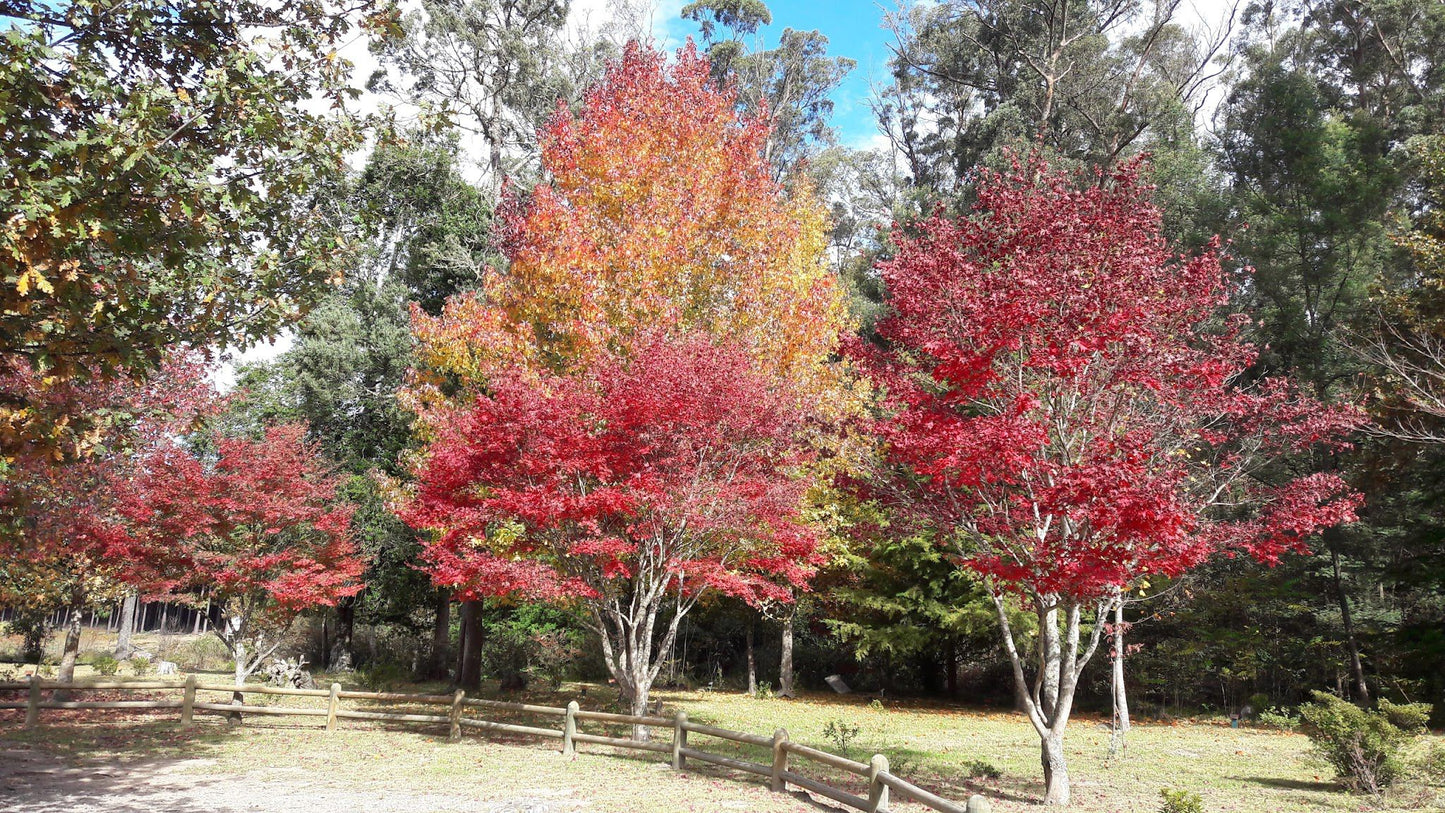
[[34, 781]]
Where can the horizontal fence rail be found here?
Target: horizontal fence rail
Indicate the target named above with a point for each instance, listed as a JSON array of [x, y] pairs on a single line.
[[880, 781]]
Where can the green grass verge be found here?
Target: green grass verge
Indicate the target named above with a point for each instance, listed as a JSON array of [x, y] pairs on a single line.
[[948, 749]]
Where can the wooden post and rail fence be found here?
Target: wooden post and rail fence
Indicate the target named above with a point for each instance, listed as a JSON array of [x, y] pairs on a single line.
[[881, 783]]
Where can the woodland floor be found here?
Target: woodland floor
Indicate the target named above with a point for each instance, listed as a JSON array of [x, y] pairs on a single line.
[[94, 761]]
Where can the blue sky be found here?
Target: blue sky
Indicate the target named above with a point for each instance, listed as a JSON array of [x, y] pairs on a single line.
[[854, 29]]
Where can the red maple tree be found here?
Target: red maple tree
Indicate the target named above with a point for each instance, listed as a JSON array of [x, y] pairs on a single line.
[[1068, 407], [255, 525], [63, 546], [641, 482]]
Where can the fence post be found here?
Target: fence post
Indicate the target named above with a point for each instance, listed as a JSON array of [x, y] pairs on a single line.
[[188, 700], [332, 706], [32, 709], [877, 791], [569, 730], [780, 759], [456, 716], [679, 740]]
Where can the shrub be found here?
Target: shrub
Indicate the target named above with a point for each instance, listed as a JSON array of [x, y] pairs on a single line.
[[140, 665], [901, 762], [105, 665], [383, 676], [876, 705], [1365, 748], [841, 734], [765, 691], [394, 644], [31, 626], [532, 643], [1278, 717], [201, 654], [1180, 801], [978, 769]]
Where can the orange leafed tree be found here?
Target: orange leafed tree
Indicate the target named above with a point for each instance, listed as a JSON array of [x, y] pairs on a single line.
[[660, 212]]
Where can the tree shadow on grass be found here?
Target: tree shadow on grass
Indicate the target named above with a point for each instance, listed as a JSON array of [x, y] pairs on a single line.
[[123, 734], [1290, 784]]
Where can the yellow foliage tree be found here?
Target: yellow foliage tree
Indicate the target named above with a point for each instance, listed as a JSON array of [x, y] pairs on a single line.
[[660, 212]]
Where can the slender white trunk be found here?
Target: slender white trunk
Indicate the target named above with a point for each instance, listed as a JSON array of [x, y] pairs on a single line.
[[238, 649], [1060, 653], [1121, 695], [785, 666], [752, 664], [1049, 659]]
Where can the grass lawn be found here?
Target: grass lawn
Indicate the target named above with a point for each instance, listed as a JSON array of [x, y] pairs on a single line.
[[949, 749], [1245, 770]]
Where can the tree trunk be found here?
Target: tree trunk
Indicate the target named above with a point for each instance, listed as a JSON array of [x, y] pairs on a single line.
[[1352, 647], [785, 665], [441, 630], [341, 648], [461, 640], [1069, 654], [1121, 695], [237, 698], [469, 676], [950, 668], [636, 696], [752, 664], [1050, 655], [1056, 770], [71, 652], [68, 655], [123, 646], [494, 157]]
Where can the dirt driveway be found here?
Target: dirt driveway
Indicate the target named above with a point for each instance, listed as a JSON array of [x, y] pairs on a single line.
[[34, 781]]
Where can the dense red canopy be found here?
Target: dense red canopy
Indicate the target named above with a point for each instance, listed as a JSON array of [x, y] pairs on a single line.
[[676, 460], [1066, 401]]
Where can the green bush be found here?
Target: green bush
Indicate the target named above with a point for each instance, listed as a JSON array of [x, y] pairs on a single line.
[[978, 769], [31, 626], [1180, 801], [140, 665], [1278, 717], [1365, 748], [531, 643], [383, 677], [841, 735], [105, 665]]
